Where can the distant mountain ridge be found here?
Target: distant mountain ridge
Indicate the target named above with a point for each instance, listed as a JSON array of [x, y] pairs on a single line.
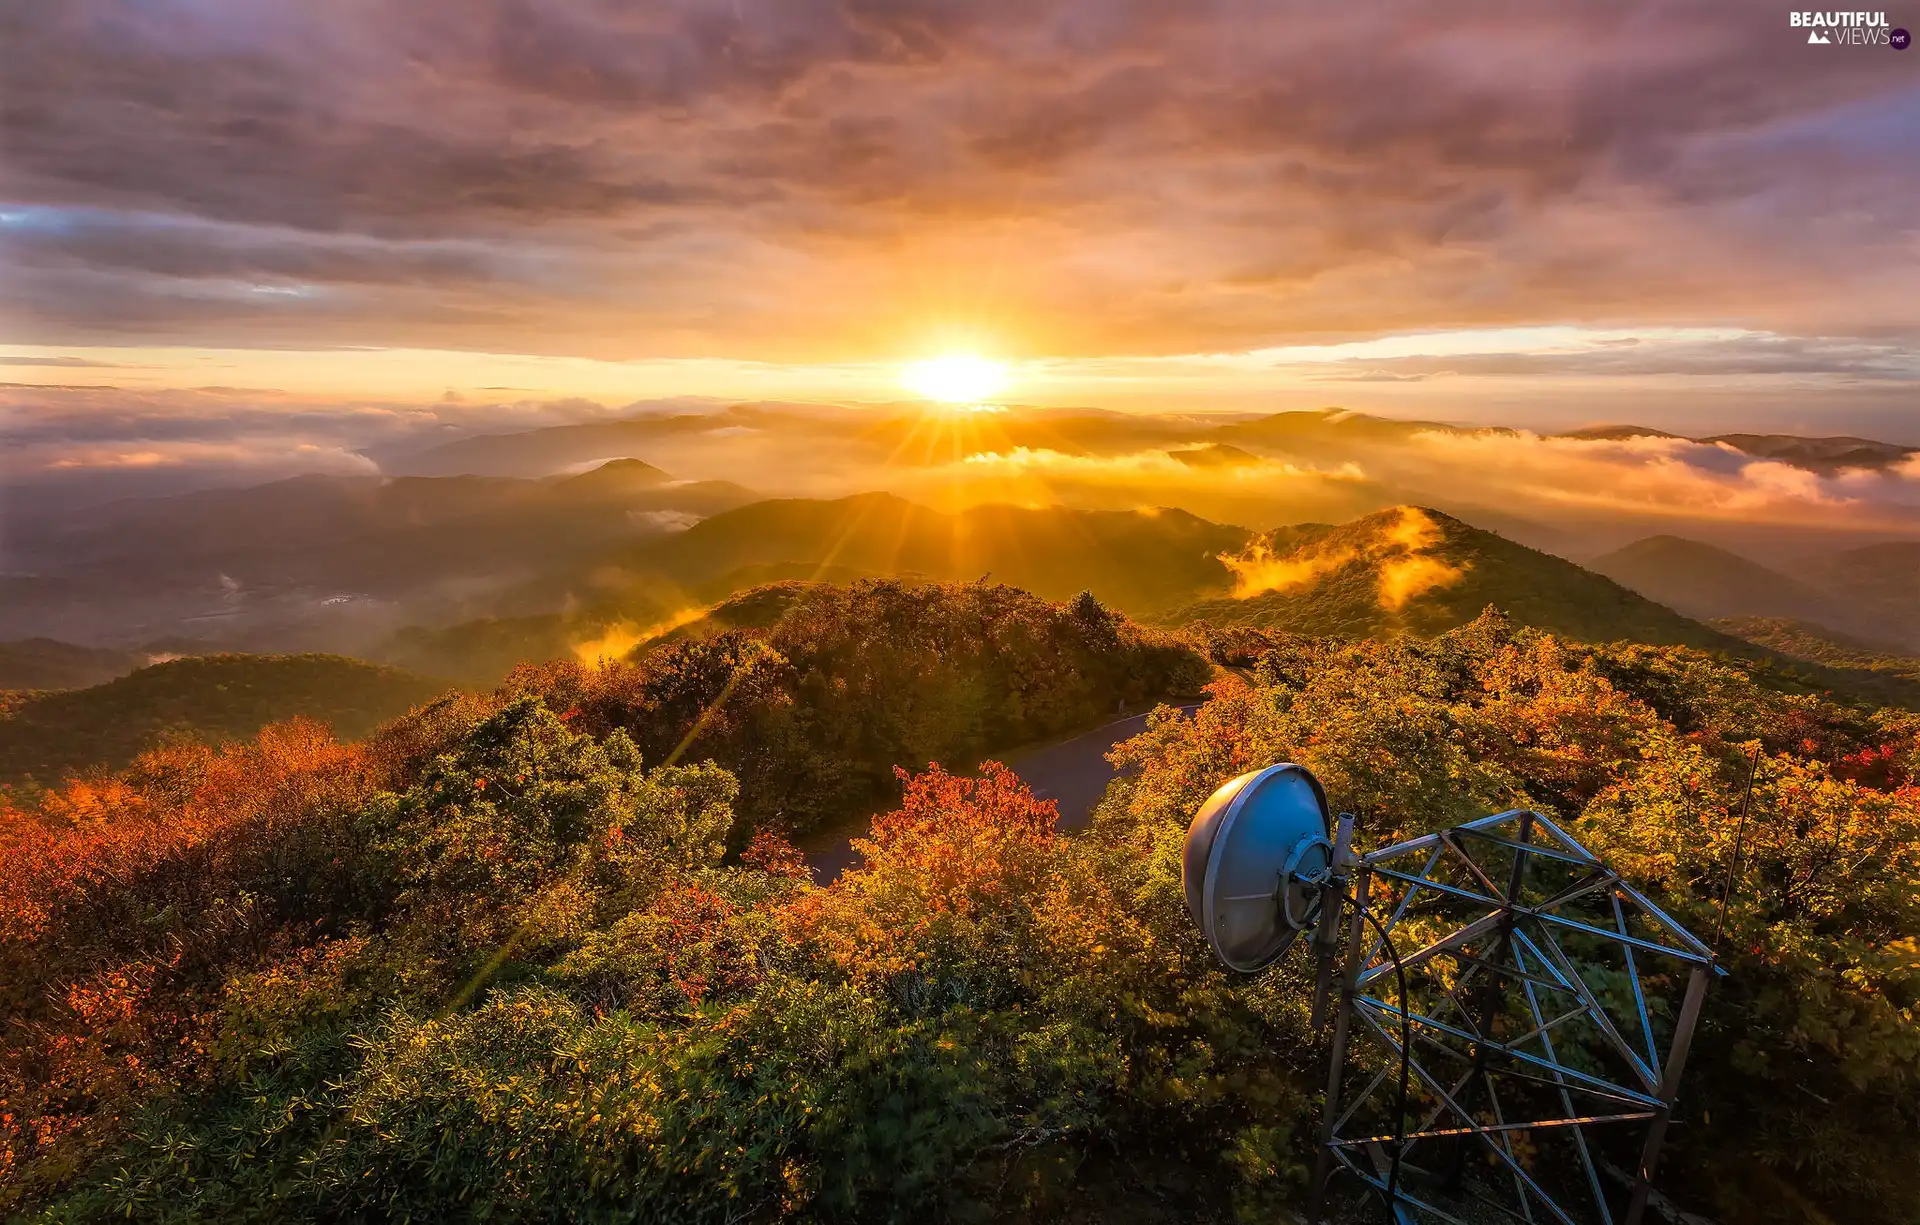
[[47, 736], [327, 560], [530, 454], [1704, 581], [1882, 582], [1871, 592], [1824, 455], [539, 452], [1817, 644], [45, 663], [1140, 561]]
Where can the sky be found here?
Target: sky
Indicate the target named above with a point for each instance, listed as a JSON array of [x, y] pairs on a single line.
[[1522, 214]]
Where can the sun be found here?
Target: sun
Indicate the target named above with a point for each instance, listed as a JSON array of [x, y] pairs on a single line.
[[957, 378]]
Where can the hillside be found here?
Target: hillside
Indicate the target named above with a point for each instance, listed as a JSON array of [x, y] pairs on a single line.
[[482, 651], [215, 697], [1817, 644], [1144, 563], [1703, 581], [513, 960], [1381, 573], [1880, 581], [1412, 570], [1809, 656], [44, 663], [371, 531]]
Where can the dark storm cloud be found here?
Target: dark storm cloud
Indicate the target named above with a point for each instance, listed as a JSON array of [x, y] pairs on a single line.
[[808, 177]]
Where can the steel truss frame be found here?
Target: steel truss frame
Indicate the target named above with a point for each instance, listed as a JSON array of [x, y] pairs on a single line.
[[1536, 1010]]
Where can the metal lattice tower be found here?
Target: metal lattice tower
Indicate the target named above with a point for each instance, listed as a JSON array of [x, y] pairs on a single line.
[[1544, 1008]]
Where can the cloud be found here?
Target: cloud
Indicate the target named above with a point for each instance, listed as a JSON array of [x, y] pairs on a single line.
[[1406, 569], [1259, 569], [822, 178], [93, 444], [664, 520], [1380, 376], [1666, 477], [1155, 463], [70, 446], [1406, 578]]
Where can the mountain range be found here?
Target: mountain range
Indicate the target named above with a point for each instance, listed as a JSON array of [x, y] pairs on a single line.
[[1080, 431], [1404, 570], [335, 561], [48, 735]]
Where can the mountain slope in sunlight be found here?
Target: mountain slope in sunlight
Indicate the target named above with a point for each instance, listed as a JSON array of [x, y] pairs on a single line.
[[1141, 561], [1403, 570], [47, 736], [1415, 570]]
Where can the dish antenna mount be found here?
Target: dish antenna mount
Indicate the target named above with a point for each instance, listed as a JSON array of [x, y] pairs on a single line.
[[1500, 1017]]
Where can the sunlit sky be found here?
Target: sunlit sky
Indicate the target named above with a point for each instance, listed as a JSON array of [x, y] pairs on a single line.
[[1677, 213]]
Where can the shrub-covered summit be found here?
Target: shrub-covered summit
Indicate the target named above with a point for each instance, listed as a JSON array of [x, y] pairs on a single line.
[[819, 691]]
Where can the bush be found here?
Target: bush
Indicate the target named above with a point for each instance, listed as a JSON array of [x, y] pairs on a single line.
[[493, 964]]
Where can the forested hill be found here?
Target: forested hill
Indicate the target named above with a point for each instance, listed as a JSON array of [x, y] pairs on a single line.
[[498, 963], [815, 692], [1414, 570], [1398, 571], [1703, 581], [1142, 561], [48, 735]]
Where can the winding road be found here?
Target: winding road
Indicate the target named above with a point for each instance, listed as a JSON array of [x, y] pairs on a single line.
[[1073, 773]]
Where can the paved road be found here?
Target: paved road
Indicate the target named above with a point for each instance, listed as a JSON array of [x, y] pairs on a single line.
[[1074, 773]]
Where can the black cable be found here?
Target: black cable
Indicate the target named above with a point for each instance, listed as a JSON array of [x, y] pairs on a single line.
[[1406, 1053]]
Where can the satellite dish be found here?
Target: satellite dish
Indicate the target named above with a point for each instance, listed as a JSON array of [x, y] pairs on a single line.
[[1256, 863]]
